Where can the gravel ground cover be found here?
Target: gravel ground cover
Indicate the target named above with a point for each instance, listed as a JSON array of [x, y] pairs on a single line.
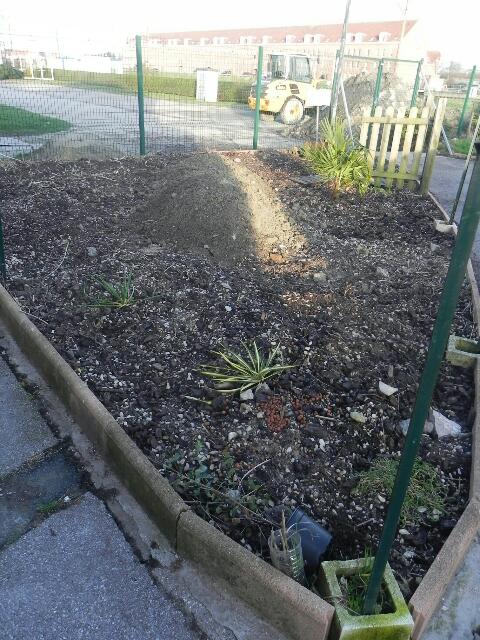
[[226, 249]]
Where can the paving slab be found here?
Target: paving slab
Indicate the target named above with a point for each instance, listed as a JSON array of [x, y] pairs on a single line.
[[35, 490], [23, 432], [458, 617], [76, 578]]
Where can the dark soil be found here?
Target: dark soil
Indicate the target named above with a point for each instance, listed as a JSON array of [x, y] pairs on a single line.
[[225, 249]]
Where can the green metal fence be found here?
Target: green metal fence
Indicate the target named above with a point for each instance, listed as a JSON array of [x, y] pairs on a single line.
[[153, 97]]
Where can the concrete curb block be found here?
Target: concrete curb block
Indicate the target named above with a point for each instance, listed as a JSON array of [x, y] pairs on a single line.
[[475, 468], [427, 597], [283, 602]]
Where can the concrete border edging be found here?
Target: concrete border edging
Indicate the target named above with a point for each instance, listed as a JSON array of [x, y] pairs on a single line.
[[293, 608], [429, 593], [282, 601]]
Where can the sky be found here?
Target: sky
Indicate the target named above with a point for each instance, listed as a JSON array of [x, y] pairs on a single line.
[[454, 32]]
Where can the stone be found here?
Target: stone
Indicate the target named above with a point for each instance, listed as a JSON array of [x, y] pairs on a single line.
[[92, 252], [152, 250], [443, 227], [386, 389], [383, 273], [319, 276], [246, 395], [232, 435], [443, 427], [434, 248], [263, 388], [245, 409], [403, 426], [358, 417]]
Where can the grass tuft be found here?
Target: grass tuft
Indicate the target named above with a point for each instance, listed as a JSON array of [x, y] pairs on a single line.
[[425, 489]]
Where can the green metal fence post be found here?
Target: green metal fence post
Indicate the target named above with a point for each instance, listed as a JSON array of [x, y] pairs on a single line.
[[416, 85], [141, 103], [378, 85], [467, 98], [3, 269], [446, 311], [258, 93]]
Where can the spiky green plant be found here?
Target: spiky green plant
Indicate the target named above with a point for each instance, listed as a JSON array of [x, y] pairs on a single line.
[[120, 295], [342, 163], [425, 489], [239, 373]]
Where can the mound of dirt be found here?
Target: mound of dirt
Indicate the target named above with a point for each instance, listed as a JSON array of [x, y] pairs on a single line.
[[215, 205]]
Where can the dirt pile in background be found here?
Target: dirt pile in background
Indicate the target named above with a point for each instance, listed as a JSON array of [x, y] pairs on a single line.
[[359, 92]]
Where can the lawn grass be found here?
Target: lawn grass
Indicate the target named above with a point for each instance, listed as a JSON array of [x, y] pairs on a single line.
[[461, 145], [155, 84], [20, 122]]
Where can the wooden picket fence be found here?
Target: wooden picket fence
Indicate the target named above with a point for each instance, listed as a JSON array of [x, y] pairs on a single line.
[[396, 142]]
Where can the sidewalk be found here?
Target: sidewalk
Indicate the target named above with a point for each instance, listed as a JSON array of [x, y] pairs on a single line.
[[66, 570], [445, 180]]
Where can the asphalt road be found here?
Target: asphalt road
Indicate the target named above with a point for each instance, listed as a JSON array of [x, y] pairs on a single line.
[[106, 122]]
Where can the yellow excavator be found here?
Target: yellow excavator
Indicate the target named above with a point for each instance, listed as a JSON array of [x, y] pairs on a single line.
[[288, 88]]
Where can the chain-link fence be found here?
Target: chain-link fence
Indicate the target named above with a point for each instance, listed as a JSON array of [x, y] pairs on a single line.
[[61, 101]]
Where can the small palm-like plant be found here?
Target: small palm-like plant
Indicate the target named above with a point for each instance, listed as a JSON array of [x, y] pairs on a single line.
[[239, 373], [120, 295], [342, 163]]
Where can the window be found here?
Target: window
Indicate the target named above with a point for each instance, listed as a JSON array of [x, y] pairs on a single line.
[[289, 39], [318, 37], [204, 40], [243, 39], [266, 39], [300, 69], [277, 67], [307, 38]]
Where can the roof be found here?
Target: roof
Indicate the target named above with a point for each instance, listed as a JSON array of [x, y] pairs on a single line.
[[331, 32]]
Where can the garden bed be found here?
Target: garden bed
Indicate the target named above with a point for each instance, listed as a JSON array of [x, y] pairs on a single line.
[[225, 249]]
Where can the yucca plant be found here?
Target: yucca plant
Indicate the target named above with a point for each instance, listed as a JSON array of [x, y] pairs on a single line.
[[341, 163], [239, 373], [120, 295]]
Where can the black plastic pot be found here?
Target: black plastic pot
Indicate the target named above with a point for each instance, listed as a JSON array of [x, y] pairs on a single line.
[[315, 539]]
